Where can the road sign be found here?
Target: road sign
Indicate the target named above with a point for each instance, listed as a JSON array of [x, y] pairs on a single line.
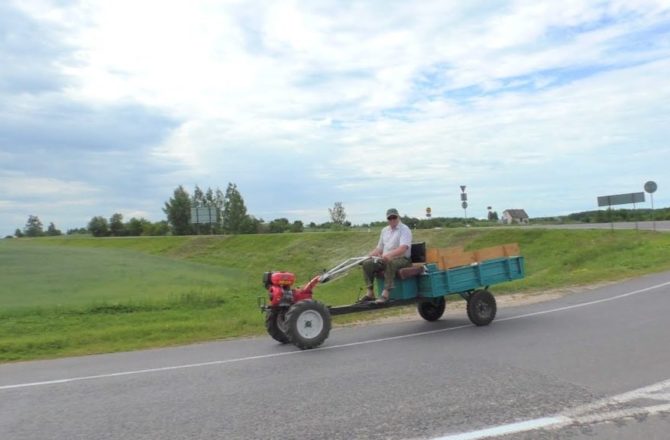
[[651, 188], [464, 198], [204, 215], [621, 199]]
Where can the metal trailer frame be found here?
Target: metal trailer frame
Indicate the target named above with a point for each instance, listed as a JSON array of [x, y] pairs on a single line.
[[434, 283]]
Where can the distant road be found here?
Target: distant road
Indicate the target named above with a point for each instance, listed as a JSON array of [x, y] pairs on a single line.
[[663, 225]]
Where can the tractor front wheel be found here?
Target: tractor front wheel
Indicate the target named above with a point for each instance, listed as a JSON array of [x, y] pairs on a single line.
[[275, 324], [481, 307], [431, 310], [307, 324]]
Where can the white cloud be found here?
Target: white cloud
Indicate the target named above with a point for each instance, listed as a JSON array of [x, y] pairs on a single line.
[[13, 185], [332, 101], [134, 213]]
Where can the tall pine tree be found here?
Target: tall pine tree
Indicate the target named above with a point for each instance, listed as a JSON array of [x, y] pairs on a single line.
[[52, 231], [116, 226], [178, 210], [234, 217], [198, 199], [33, 227]]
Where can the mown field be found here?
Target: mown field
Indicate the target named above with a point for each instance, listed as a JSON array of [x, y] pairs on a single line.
[[79, 295]]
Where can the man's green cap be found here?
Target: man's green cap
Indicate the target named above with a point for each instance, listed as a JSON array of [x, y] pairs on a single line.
[[391, 212]]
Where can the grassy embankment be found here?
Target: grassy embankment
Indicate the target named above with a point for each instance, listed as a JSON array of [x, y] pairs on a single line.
[[70, 296]]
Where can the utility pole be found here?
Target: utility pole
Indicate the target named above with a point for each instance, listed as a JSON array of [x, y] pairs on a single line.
[[464, 204]]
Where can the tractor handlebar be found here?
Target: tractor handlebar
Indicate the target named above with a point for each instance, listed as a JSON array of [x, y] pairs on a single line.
[[343, 267]]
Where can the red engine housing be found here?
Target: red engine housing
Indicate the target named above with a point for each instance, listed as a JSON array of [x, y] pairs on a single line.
[[280, 291], [282, 278]]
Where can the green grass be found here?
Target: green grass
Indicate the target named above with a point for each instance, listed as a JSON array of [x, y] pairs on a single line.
[[70, 276], [78, 295]]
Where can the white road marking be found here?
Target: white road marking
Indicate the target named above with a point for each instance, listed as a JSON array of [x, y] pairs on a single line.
[[512, 428], [590, 303], [222, 362], [622, 413], [584, 414], [650, 392], [332, 347]]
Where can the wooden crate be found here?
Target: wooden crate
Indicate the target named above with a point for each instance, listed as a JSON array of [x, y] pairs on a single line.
[[456, 259], [437, 255], [489, 253], [455, 256], [512, 250]]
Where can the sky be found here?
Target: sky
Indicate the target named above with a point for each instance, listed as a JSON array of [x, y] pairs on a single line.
[[108, 106]]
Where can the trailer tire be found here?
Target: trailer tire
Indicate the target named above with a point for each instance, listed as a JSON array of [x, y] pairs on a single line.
[[275, 324], [432, 310], [481, 307], [307, 324]]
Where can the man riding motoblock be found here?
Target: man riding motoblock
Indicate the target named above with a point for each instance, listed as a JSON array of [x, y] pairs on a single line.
[[394, 250]]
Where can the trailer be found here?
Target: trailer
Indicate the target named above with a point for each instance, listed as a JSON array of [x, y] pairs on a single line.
[[292, 315]]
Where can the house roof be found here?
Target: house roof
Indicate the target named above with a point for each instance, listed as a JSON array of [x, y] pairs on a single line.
[[516, 213]]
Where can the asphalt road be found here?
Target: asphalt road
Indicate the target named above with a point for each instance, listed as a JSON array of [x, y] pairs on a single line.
[[660, 226], [590, 365]]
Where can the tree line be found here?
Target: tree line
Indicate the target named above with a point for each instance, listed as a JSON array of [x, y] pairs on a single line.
[[35, 228], [115, 227], [231, 217], [230, 211], [607, 215]]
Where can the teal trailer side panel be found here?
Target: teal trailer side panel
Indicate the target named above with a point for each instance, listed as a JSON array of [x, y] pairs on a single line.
[[461, 279], [402, 289], [435, 282]]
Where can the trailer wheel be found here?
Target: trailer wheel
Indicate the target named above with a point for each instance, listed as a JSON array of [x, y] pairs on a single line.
[[432, 310], [307, 324], [481, 307], [275, 324]]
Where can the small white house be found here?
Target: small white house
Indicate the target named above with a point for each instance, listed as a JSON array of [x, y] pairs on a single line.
[[510, 216]]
